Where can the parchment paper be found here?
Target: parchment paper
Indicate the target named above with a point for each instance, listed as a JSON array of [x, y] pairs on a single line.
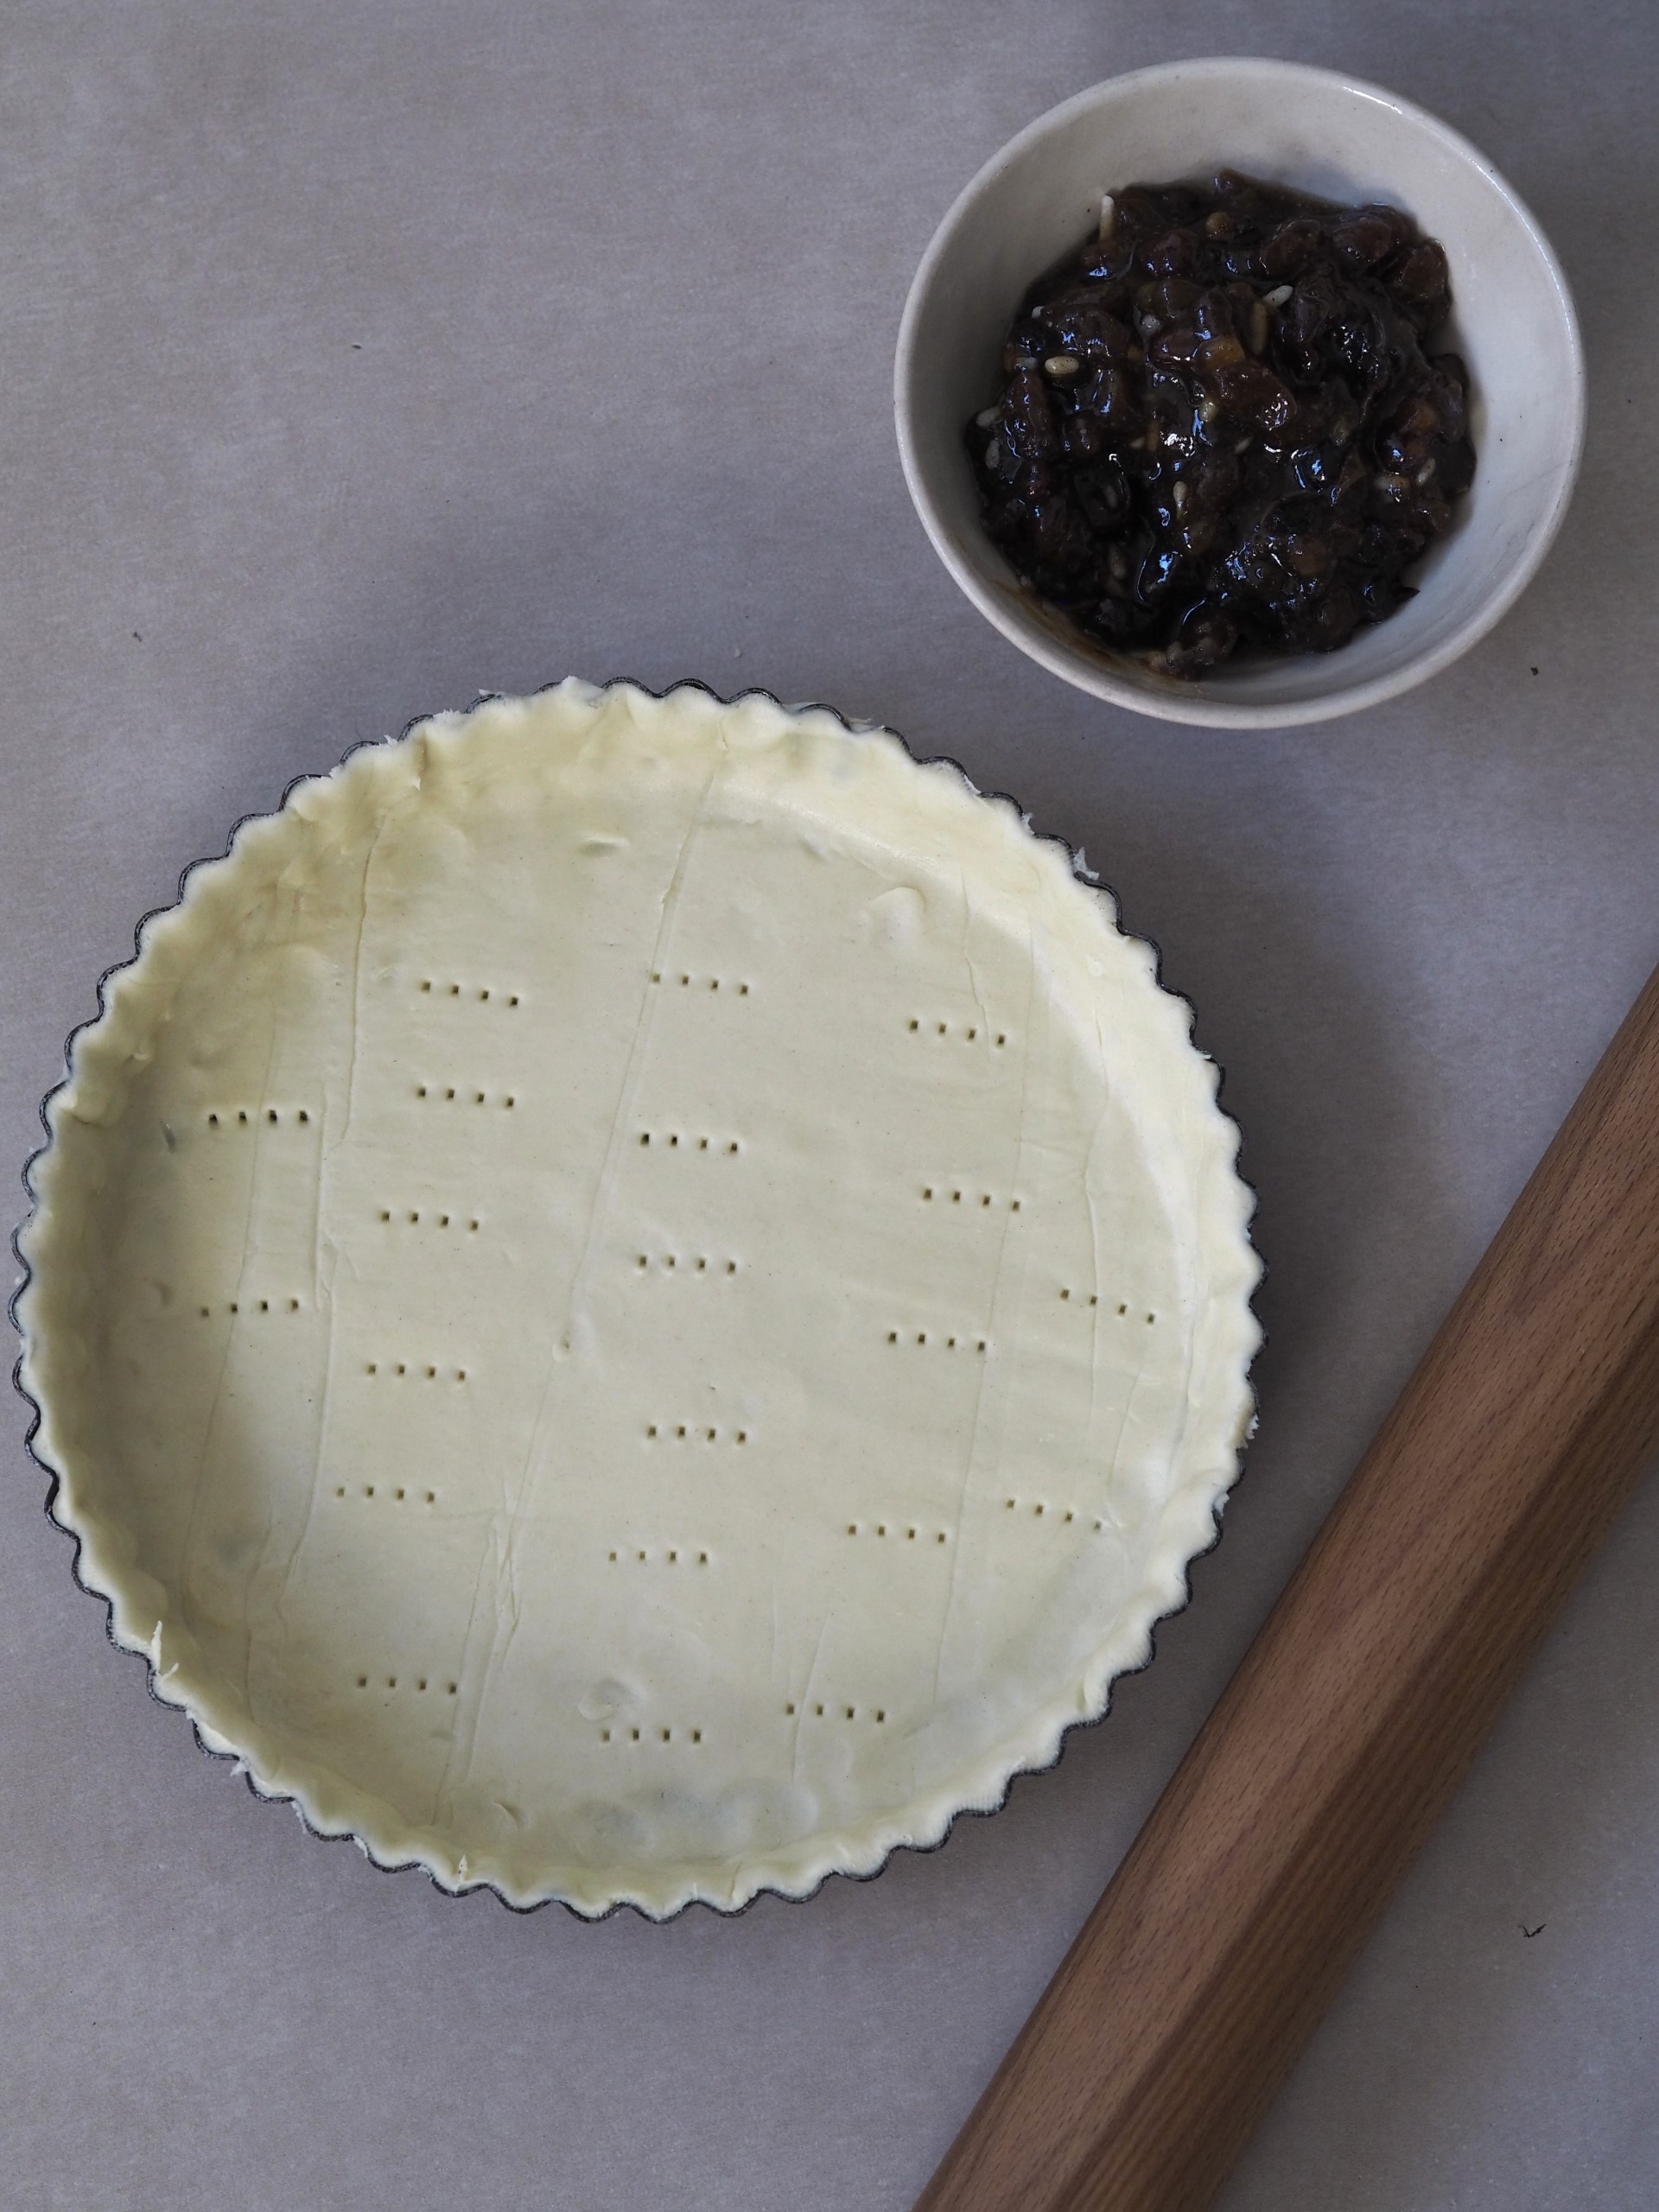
[[359, 354]]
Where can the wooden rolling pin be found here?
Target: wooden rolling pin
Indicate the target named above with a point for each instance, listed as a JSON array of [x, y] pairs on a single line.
[[1267, 1860]]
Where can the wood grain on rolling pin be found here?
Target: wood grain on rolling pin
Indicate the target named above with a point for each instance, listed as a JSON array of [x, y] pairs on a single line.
[[1200, 1974]]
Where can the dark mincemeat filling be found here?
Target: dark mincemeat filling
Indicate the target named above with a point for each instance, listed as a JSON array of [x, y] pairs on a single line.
[[1221, 432]]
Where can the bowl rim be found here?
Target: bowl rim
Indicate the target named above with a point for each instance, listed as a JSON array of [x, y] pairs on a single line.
[[1077, 667]]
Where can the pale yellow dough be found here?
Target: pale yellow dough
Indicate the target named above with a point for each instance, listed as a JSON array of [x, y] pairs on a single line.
[[638, 1300]]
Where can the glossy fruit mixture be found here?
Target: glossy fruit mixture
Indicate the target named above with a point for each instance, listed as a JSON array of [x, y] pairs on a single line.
[[1224, 427]]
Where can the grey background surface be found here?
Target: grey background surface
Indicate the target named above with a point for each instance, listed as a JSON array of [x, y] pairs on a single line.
[[356, 355]]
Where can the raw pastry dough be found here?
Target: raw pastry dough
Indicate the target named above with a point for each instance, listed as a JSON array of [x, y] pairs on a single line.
[[638, 1300]]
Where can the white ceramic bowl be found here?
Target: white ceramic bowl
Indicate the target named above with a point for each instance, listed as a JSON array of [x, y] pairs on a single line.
[[1513, 322]]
